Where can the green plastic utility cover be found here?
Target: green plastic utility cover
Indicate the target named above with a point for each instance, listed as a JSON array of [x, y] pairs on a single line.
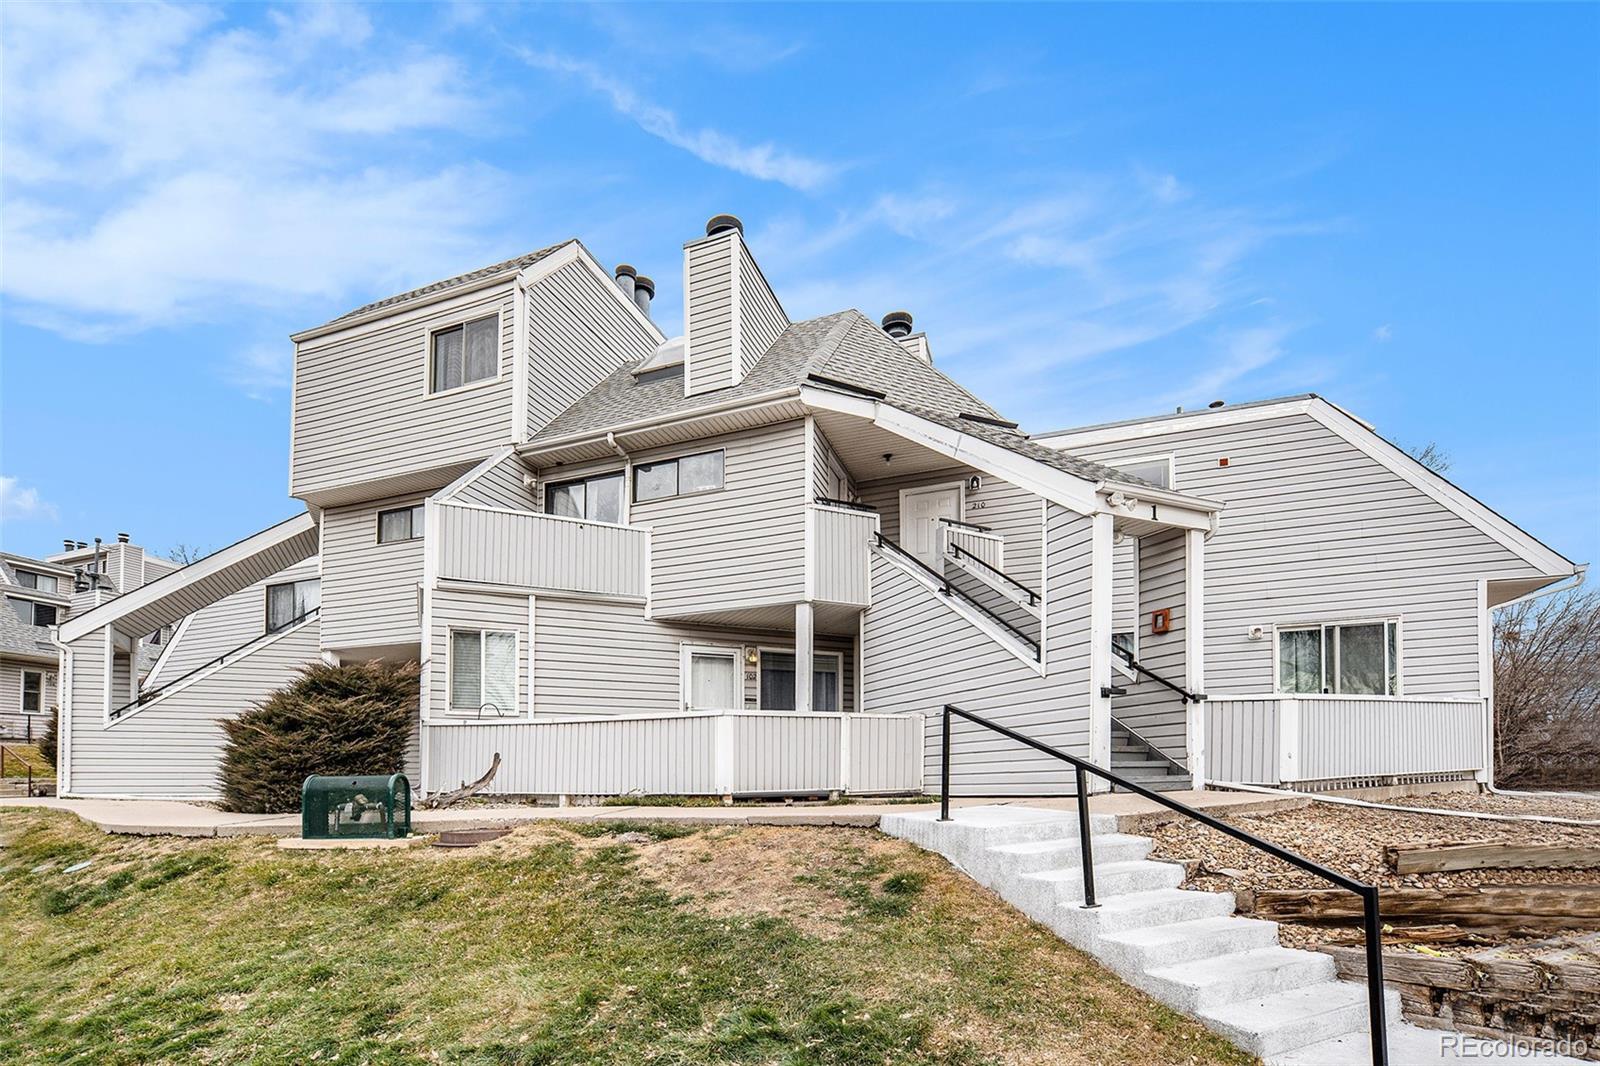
[[365, 806]]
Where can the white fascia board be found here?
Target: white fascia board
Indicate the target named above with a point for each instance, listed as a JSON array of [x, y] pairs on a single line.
[[107, 613], [1522, 544], [590, 436], [1153, 494], [1162, 425], [494, 460]]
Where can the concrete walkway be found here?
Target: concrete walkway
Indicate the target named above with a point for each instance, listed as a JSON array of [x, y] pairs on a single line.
[[176, 818]]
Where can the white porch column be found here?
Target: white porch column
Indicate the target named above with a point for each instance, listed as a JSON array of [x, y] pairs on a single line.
[[802, 656], [1194, 651], [1101, 588]]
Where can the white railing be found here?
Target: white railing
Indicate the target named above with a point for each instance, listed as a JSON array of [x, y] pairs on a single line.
[[980, 544], [683, 754], [1285, 739], [841, 554], [541, 551]]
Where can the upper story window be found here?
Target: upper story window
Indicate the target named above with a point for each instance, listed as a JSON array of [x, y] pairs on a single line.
[[677, 477], [1156, 469], [291, 601], [33, 614], [598, 498], [465, 353], [401, 523], [1344, 658], [30, 580]]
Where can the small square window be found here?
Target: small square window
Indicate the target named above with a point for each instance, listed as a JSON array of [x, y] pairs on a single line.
[[401, 523], [483, 673], [465, 353], [291, 602]]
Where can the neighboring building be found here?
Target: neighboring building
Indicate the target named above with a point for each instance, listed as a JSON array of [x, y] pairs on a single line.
[[1347, 586], [40, 594], [755, 559]]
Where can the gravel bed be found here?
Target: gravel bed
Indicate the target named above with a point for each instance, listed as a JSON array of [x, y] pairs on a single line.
[[1485, 803]]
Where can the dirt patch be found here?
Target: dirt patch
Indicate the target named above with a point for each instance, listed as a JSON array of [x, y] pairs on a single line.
[[1351, 840]]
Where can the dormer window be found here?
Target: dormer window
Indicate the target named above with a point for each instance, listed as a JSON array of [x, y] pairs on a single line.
[[30, 580], [465, 353]]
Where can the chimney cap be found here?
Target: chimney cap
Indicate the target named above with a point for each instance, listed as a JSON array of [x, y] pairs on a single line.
[[68, 544], [123, 538], [644, 282], [1214, 404], [897, 323], [625, 271], [722, 224], [82, 545]]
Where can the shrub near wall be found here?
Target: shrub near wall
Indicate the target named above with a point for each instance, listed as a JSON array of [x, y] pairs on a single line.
[[335, 720]]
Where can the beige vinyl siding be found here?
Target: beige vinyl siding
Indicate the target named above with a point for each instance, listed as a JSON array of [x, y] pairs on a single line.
[[1012, 512], [596, 658], [13, 723], [708, 314], [742, 545], [577, 335], [1151, 710], [363, 411], [1315, 530], [454, 609], [760, 319], [224, 625], [369, 590], [501, 486], [910, 627], [173, 747]]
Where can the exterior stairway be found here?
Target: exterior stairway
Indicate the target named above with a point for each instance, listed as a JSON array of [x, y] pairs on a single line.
[[1185, 948], [1142, 764]]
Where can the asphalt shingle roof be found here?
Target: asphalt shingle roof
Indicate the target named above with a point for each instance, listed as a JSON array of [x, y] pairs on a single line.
[[846, 347], [19, 638], [521, 262]]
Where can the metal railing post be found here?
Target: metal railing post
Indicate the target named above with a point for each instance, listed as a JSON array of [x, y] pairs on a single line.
[[944, 769], [1085, 848], [1375, 1009]]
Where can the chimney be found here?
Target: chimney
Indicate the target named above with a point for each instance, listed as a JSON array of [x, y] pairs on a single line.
[[67, 545], [897, 324], [730, 314], [625, 275], [643, 289], [123, 538]]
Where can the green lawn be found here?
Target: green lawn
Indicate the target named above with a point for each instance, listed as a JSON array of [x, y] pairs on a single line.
[[670, 946], [28, 753]]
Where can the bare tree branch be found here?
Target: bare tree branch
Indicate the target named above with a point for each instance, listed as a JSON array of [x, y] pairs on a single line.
[[1547, 691]]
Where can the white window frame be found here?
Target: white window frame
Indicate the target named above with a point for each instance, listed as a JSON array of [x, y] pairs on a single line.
[[450, 708], [774, 649], [427, 354], [631, 489], [1170, 458], [1330, 656], [418, 511], [22, 692], [55, 582], [688, 649], [266, 603], [546, 484], [33, 611]]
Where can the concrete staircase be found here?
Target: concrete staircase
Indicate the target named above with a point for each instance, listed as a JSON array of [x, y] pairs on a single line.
[[1185, 948], [1142, 764]]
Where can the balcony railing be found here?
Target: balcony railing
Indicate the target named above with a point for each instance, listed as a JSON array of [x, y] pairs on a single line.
[[523, 549], [841, 543]]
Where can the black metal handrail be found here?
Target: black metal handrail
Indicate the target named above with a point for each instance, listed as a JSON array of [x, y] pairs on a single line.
[[829, 501], [1372, 928], [26, 766], [146, 697], [950, 590], [966, 525], [1033, 597], [1188, 697]]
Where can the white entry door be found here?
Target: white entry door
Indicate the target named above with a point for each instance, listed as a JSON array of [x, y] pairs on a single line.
[[920, 512], [710, 678]]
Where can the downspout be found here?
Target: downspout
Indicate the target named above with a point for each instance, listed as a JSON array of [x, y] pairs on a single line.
[[1580, 573]]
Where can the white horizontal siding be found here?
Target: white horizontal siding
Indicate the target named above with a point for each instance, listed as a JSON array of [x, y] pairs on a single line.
[[577, 335], [501, 486], [13, 723], [456, 609], [760, 318], [1012, 512], [220, 627], [708, 314], [369, 590], [362, 409], [521, 549], [1153, 711]]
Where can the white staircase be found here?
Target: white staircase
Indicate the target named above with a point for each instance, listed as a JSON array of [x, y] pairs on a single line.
[[1185, 948]]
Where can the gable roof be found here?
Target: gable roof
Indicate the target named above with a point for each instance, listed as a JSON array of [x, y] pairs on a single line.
[[509, 266]]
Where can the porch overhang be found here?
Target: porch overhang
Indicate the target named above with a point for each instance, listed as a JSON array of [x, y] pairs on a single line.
[[200, 584], [748, 412]]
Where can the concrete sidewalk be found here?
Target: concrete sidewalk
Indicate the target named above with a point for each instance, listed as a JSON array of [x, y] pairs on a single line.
[[176, 818]]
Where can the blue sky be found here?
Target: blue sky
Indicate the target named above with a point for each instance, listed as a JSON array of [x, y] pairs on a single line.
[[1096, 212]]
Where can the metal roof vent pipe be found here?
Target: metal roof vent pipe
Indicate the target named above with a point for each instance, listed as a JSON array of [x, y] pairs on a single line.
[[897, 324], [82, 545], [68, 544], [123, 538], [723, 224], [625, 275], [1214, 404], [643, 290]]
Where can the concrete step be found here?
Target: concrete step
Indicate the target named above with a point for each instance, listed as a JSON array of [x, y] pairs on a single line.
[[1169, 945], [973, 830], [1168, 783], [1036, 855], [1191, 986], [1110, 879], [1125, 766], [1279, 1023], [1413, 1044], [1136, 910]]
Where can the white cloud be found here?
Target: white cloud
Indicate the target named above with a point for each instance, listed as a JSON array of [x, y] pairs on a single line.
[[162, 167], [262, 369], [19, 504], [1383, 334], [764, 161]]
